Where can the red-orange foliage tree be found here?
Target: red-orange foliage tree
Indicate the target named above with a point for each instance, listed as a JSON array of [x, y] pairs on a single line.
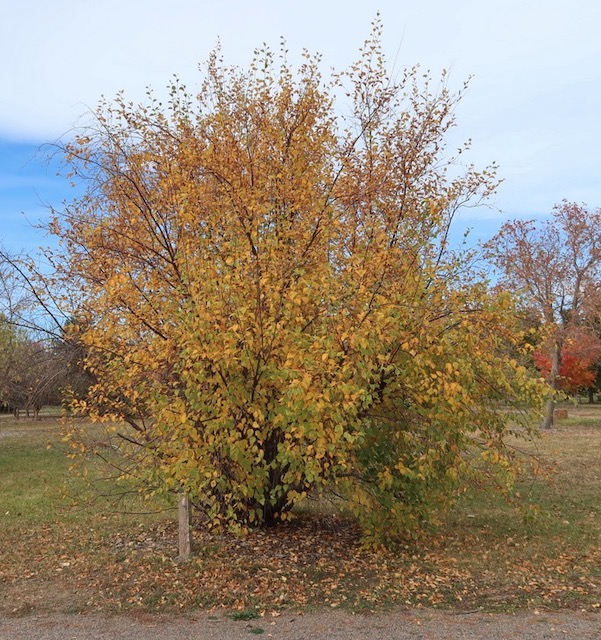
[[580, 353]]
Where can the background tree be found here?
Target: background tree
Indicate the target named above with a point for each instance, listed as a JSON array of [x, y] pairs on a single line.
[[266, 299], [32, 376], [13, 340], [36, 360], [557, 266], [9, 378], [595, 387]]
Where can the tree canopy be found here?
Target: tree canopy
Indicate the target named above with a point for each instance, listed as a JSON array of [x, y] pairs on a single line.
[[266, 297]]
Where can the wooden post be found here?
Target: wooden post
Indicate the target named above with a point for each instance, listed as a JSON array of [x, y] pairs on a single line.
[[185, 533]]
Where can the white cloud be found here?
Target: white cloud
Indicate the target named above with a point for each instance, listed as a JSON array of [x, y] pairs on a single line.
[[532, 106]]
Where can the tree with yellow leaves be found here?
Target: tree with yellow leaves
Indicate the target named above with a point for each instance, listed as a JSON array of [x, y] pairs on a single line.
[[267, 300]]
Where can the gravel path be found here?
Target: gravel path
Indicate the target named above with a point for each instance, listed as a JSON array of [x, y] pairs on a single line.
[[326, 625]]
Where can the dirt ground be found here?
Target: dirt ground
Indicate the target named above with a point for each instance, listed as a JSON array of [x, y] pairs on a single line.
[[330, 625]]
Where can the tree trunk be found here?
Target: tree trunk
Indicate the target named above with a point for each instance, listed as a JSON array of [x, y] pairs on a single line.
[[549, 411], [554, 377], [591, 395]]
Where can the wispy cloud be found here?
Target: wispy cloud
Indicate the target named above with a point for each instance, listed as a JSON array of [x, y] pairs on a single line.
[[532, 105]]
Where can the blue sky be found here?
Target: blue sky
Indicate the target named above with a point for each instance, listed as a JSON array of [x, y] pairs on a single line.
[[28, 186], [532, 106]]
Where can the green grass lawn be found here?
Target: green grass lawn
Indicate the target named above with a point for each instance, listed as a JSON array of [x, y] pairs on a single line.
[[33, 474], [64, 547]]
